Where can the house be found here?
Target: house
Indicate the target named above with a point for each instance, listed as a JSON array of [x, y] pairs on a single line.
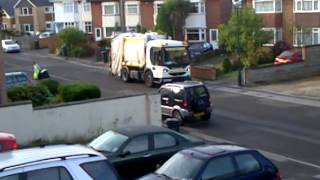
[[8, 21], [201, 24], [295, 21], [34, 15], [72, 13]]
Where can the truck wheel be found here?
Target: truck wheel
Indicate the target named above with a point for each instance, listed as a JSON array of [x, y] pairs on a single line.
[[125, 75], [148, 79]]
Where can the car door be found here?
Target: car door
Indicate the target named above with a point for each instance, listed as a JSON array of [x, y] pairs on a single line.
[[249, 167], [134, 157], [219, 168], [164, 145], [166, 104]]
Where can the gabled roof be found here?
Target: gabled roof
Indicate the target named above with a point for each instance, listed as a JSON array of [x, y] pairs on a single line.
[[36, 3], [7, 6]]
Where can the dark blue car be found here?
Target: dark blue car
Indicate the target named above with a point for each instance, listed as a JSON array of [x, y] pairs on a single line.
[[217, 162]]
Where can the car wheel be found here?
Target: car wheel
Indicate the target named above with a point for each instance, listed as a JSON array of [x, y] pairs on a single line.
[[125, 75], [178, 116], [148, 79], [206, 117]]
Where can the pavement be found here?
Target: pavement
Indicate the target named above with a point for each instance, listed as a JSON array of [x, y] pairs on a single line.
[[283, 127]]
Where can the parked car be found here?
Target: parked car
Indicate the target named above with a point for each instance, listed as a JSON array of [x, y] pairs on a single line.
[[45, 35], [289, 56], [198, 49], [16, 78], [7, 142], [218, 162], [185, 101], [9, 45], [136, 151], [59, 162]]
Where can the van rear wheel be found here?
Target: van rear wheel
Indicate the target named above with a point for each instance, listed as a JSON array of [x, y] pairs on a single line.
[[148, 79], [125, 75]]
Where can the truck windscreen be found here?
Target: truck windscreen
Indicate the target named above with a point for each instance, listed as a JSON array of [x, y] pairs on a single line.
[[176, 57]]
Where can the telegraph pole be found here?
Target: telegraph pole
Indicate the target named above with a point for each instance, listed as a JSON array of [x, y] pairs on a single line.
[[122, 15], [3, 92]]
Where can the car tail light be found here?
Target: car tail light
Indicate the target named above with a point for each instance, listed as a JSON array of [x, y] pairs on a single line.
[[184, 104], [15, 146], [278, 177]]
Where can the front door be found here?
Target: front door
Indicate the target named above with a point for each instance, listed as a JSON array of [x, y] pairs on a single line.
[[98, 35], [214, 38]]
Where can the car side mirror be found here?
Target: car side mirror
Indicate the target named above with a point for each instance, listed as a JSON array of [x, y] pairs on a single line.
[[125, 153]]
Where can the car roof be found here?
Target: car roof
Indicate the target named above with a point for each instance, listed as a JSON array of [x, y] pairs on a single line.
[[5, 40], [15, 73], [185, 84], [137, 130], [17, 158], [6, 136], [209, 151]]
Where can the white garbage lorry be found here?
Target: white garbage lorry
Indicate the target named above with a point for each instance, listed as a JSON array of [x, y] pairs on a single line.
[[149, 57]]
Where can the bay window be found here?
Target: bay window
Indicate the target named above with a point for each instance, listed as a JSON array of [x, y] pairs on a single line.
[[274, 35], [306, 36], [306, 5], [111, 9], [196, 35]]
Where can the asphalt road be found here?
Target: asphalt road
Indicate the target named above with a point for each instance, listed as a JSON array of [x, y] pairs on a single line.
[[287, 132]]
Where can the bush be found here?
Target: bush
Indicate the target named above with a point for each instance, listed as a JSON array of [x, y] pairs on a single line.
[[104, 43], [226, 65], [78, 91], [265, 57], [38, 94], [52, 85]]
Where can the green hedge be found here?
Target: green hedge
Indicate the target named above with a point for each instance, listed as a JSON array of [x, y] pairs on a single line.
[[38, 94], [52, 85], [78, 91]]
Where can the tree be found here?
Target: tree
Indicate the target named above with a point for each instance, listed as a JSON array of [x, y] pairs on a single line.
[[172, 16], [251, 36], [72, 37]]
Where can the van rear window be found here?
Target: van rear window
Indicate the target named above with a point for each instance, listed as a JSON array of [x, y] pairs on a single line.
[[198, 92]]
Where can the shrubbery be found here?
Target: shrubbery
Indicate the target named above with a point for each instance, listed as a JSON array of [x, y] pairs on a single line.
[[226, 65], [38, 94], [78, 91], [52, 85], [265, 57]]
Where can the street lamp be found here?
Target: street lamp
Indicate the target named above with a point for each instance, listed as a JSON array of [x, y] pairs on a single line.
[[237, 4]]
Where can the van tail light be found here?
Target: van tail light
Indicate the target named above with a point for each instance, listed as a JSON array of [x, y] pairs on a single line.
[[278, 177], [184, 104], [15, 146]]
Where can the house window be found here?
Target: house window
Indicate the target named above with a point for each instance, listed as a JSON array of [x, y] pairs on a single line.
[[48, 10], [26, 11], [48, 25], [306, 5], [87, 7], [267, 6], [68, 7], [274, 35], [197, 7], [111, 9], [108, 31], [4, 26], [75, 7], [195, 35], [88, 27], [157, 7], [306, 36], [27, 27], [132, 9]]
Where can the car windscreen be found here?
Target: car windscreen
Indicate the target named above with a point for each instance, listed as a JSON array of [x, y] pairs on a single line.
[[176, 56], [286, 54], [9, 42], [99, 170], [195, 46], [109, 141], [181, 166]]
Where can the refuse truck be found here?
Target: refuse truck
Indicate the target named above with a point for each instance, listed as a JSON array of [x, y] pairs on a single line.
[[149, 57]]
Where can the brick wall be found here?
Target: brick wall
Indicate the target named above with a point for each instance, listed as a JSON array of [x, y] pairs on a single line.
[[96, 11], [147, 11], [204, 73], [272, 20]]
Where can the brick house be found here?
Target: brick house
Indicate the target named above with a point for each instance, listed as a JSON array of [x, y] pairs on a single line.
[[295, 21], [8, 21], [34, 15], [201, 25]]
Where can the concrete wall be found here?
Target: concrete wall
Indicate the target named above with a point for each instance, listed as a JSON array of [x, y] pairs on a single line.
[[291, 71], [84, 120]]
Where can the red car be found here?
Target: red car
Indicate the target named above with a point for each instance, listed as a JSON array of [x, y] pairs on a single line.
[[289, 56], [7, 142]]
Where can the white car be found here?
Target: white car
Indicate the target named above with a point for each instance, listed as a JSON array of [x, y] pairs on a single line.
[[59, 162], [9, 45], [45, 35]]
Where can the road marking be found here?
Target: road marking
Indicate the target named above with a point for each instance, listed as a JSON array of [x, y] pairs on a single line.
[[277, 97], [273, 156]]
